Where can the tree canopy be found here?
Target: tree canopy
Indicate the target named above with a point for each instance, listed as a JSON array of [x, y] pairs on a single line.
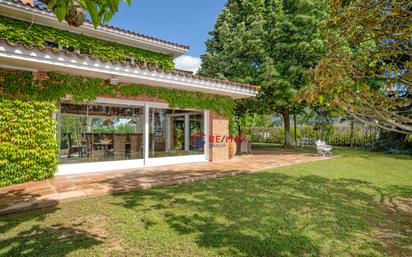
[[367, 70], [236, 49], [267, 42]]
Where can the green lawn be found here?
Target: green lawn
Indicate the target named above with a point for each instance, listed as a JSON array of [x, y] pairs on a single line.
[[357, 204], [278, 147]]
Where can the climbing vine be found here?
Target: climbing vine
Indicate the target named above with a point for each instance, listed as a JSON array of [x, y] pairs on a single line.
[[28, 145], [41, 36], [58, 85]]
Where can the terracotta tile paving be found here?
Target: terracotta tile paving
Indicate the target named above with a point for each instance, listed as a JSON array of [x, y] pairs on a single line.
[[50, 192]]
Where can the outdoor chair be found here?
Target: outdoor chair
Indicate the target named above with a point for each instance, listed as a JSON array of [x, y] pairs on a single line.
[[73, 149], [136, 141], [323, 149], [88, 150], [119, 146]]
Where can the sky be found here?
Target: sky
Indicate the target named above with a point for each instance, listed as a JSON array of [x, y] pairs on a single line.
[[181, 21]]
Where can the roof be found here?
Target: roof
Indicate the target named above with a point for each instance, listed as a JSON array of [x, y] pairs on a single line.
[[100, 65], [40, 9]]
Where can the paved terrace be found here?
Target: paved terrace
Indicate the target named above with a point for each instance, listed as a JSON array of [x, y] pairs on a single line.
[[51, 192]]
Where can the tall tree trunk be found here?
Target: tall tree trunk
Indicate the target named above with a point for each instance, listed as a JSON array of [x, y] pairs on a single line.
[[351, 132], [286, 122], [295, 129]]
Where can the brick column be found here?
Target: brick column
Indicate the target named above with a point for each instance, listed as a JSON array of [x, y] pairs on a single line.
[[219, 129]]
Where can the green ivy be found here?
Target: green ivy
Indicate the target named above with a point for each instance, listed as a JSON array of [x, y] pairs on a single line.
[[28, 146], [182, 99], [34, 34], [22, 86]]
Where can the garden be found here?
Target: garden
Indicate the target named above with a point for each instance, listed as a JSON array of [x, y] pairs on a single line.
[[356, 204], [321, 70]]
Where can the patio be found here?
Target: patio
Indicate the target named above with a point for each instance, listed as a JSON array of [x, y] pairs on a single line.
[[51, 192]]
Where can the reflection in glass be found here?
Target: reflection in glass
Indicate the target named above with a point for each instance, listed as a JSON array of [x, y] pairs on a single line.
[[197, 136], [91, 133], [99, 132], [175, 133]]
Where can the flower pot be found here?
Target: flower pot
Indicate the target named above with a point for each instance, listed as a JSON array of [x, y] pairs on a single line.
[[232, 149]]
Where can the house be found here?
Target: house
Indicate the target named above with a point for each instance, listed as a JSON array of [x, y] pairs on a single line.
[[119, 103]]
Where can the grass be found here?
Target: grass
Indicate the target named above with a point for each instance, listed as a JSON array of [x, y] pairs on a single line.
[[358, 204], [279, 147]]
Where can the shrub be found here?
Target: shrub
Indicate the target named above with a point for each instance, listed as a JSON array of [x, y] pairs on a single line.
[[28, 144], [392, 142], [334, 135]]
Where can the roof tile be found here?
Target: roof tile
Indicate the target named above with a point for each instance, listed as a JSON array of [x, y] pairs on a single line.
[[42, 7], [140, 66]]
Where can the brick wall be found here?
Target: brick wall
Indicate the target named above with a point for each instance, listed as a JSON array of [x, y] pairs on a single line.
[[40, 75], [219, 126]]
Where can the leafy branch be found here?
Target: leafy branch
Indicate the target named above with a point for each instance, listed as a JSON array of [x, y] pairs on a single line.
[[75, 11]]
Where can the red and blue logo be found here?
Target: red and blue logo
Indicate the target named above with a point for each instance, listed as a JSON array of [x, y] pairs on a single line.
[[216, 141]]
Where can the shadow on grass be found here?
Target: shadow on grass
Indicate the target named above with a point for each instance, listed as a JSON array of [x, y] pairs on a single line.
[[55, 240], [273, 214], [361, 152]]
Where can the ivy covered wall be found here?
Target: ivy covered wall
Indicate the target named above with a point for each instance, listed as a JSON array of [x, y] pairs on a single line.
[[34, 34], [22, 86], [28, 146]]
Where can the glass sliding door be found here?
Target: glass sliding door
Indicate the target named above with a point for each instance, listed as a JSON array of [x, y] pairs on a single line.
[[175, 133], [100, 132], [197, 133], [91, 134]]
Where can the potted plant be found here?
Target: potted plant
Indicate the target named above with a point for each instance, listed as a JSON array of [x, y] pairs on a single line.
[[232, 149]]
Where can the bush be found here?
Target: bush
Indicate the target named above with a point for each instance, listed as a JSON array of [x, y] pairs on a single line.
[[28, 144], [334, 135], [392, 142]]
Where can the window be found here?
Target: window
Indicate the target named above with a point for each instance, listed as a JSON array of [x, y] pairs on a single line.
[[175, 133], [93, 133], [106, 132], [197, 135]]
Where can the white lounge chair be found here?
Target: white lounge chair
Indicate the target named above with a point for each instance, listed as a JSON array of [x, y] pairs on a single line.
[[323, 149]]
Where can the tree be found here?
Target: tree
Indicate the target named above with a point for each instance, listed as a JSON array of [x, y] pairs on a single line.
[[295, 45], [367, 70], [235, 49], [74, 11], [267, 42]]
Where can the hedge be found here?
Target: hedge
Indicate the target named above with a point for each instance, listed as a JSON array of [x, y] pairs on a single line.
[[28, 144], [334, 135]]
